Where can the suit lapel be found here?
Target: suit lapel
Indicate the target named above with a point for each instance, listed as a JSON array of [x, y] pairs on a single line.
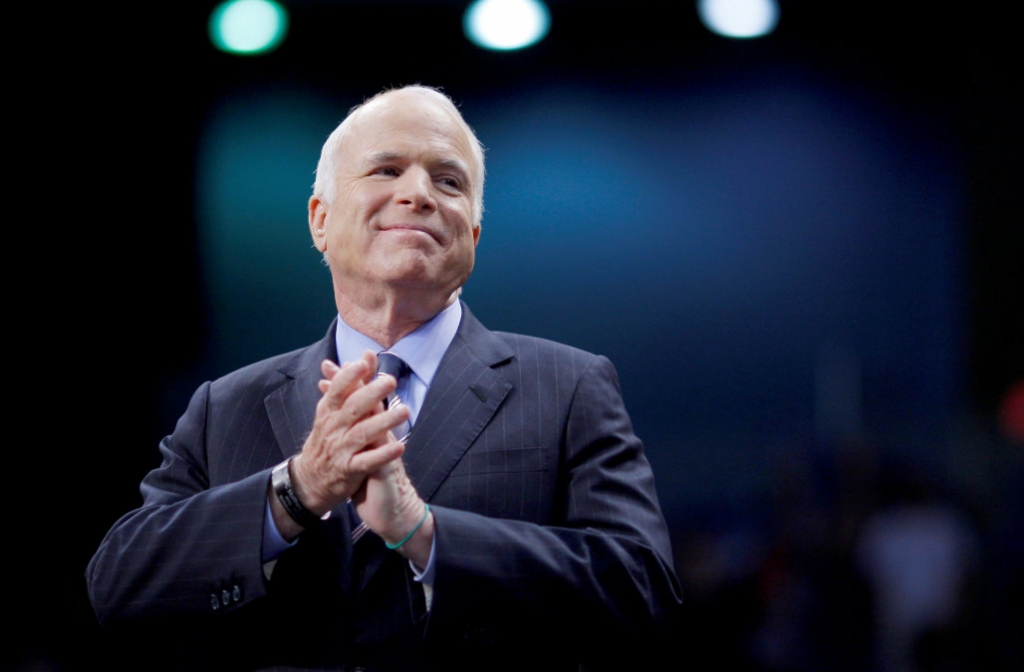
[[291, 407], [463, 397]]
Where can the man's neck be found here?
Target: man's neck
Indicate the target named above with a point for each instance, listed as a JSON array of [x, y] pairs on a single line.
[[391, 318]]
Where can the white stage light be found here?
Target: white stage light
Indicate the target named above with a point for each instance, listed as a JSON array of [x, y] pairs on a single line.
[[739, 18], [504, 25]]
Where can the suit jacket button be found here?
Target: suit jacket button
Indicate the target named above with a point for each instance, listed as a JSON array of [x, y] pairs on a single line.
[[236, 593], [225, 597], [214, 602]]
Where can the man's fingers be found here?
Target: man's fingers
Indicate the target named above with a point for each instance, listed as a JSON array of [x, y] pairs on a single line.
[[372, 430], [348, 394], [351, 434], [371, 360], [370, 460], [344, 380], [362, 402], [329, 368]]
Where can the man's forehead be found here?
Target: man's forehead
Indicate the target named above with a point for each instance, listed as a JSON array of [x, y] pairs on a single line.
[[410, 111], [396, 128]]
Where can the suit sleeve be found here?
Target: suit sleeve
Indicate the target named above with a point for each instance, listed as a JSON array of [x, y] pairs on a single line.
[[600, 574], [191, 548]]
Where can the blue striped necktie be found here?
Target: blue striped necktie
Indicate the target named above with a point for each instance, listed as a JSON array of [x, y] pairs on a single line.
[[392, 365]]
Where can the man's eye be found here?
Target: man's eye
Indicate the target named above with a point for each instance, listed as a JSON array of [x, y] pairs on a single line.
[[451, 183], [388, 170]]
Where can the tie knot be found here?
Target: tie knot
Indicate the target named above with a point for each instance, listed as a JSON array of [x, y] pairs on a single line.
[[393, 365]]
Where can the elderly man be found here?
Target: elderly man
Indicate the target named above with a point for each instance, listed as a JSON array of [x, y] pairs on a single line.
[[484, 506]]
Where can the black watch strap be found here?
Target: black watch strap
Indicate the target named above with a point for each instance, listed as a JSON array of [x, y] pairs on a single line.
[[281, 482]]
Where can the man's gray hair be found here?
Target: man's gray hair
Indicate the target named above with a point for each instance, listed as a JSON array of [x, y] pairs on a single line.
[[327, 168]]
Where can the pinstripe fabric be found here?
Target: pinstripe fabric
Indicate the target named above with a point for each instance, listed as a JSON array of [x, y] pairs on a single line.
[[547, 526]]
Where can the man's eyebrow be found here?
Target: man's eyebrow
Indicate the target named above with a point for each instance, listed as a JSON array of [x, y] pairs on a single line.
[[383, 156], [455, 165], [388, 156]]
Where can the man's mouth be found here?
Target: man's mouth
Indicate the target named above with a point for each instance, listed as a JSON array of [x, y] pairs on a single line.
[[413, 228]]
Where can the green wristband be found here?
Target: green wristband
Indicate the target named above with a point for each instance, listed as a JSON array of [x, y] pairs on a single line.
[[426, 512]]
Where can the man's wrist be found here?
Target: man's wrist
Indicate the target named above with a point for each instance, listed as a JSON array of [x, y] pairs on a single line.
[[417, 544], [398, 544], [281, 484]]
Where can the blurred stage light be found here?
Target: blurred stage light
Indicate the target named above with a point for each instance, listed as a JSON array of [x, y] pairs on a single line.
[[248, 27], [739, 18], [1011, 413], [503, 25]]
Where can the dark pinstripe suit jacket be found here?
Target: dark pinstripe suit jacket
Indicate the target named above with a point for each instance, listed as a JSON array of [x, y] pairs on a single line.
[[550, 546]]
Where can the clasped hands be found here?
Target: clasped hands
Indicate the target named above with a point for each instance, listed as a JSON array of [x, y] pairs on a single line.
[[351, 453]]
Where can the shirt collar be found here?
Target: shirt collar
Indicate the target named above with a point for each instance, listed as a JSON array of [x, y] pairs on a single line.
[[422, 349]]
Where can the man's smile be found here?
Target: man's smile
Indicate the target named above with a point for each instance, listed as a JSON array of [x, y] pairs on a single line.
[[411, 229]]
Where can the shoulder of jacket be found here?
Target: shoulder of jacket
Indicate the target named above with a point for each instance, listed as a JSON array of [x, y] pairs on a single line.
[[528, 347], [267, 371]]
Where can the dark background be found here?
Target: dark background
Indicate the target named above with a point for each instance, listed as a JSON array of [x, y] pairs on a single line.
[[816, 234]]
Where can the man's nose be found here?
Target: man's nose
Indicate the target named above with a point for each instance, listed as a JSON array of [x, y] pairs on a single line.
[[415, 188]]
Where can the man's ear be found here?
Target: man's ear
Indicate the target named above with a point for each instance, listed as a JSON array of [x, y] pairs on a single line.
[[318, 223], [476, 235]]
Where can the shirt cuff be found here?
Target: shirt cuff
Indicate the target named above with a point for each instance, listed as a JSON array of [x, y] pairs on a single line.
[[426, 577], [273, 543]]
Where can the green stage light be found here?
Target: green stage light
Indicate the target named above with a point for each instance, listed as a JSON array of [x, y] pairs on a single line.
[[248, 27]]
